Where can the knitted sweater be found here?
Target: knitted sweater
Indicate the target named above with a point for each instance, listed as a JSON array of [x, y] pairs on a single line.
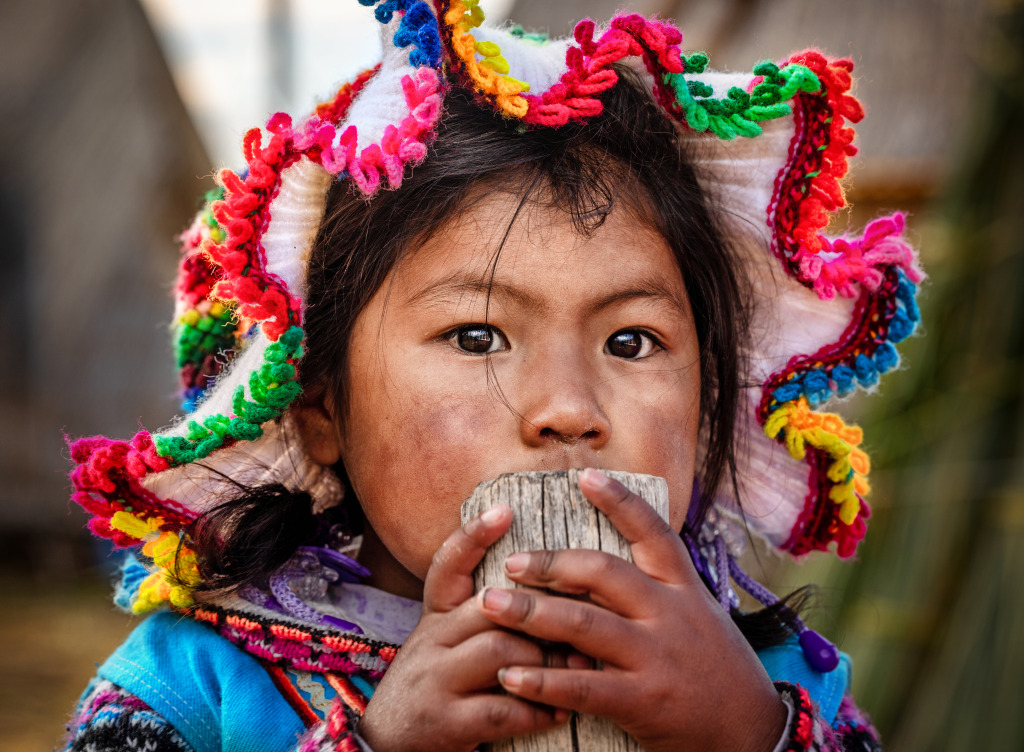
[[227, 680]]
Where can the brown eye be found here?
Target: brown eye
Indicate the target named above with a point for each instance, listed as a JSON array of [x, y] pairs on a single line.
[[478, 339], [630, 344]]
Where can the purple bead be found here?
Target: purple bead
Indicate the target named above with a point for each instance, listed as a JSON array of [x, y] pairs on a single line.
[[821, 654]]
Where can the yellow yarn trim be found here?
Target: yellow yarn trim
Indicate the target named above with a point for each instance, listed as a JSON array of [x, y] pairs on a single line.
[[488, 75], [801, 427], [176, 575]]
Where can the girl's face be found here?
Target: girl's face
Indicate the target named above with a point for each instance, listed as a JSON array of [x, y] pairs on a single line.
[[569, 352]]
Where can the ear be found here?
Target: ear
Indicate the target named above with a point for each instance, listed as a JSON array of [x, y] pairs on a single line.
[[319, 433]]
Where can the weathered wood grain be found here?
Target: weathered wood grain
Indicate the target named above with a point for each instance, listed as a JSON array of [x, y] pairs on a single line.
[[550, 512]]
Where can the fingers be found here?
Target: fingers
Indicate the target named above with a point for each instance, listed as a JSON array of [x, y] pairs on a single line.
[[486, 718], [657, 548], [481, 656], [586, 691], [609, 581], [449, 580], [590, 629]]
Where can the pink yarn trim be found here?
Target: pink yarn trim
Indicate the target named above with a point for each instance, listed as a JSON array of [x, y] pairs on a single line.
[[106, 481], [841, 263], [379, 163]]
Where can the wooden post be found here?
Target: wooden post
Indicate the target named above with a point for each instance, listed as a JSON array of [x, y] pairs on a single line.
[[550, 512]]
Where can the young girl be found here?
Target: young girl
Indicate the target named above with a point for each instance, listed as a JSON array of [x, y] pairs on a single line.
[[447, 273]]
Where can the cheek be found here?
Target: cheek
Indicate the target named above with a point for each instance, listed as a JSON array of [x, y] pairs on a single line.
[[674, 451], [413, 468], [666, 418]]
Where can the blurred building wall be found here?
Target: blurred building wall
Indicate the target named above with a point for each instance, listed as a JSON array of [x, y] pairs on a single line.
[[98, 171]]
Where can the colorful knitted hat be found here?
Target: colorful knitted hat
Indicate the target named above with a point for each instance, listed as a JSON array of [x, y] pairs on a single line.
[[774, 145]]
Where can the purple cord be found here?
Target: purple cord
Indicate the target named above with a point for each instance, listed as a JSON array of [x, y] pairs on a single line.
[[722, 561], [291, 603], [820, 653], [699, 562], [761, 594]]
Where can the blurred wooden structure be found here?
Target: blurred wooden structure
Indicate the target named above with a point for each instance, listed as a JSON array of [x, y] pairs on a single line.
[[98, 172]]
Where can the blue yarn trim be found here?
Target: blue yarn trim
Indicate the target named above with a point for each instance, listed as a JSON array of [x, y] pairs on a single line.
[[418, 28], [127, 588], [819, 384]]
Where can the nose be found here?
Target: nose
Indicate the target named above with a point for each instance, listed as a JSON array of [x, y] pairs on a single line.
[[562, 408]]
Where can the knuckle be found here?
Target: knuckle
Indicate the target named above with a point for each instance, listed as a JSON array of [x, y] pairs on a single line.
[[581, 619], [578, 691], [498, 715], [605, 566], [524, 608], [546, 561], [500, 644], [624, 496], [533, 682], [657, 526]]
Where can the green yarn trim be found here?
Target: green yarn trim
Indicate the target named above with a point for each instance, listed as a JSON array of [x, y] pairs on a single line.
[[738, 113], [202, 334], [217, 234], [534, 36], [272, 387]]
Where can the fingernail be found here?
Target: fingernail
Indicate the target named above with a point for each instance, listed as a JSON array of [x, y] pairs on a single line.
[[492, 515], [510, 677], [596, 477], [516, 563], [496, 599]]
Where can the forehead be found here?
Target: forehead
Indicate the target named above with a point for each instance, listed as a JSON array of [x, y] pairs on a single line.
[[501, 243]]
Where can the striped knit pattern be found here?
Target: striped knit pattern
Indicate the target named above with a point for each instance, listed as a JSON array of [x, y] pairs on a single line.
[[108, 719]]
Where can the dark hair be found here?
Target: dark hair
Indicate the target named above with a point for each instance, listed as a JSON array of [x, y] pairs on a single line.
[[629, 157]]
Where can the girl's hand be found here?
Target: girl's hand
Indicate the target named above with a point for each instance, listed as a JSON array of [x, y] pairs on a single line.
[[676, 673], [439, 692]]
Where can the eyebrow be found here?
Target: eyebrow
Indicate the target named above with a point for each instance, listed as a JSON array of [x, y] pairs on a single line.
[[461, 283]]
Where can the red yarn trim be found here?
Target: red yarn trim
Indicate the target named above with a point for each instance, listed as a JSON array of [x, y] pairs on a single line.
[[802, 725], [808, 189], [245, 213], [336, 108], [575, 95]]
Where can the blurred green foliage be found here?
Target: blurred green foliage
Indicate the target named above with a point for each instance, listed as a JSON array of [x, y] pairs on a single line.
[[934, 612]]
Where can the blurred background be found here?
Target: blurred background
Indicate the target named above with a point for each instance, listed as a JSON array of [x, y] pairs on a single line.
[[113, 114]]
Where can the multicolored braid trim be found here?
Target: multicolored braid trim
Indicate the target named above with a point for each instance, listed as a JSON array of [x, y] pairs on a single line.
[[203, 328], [576, 94], [304, 649], [878, 268], [808, 190], [886, 313]]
